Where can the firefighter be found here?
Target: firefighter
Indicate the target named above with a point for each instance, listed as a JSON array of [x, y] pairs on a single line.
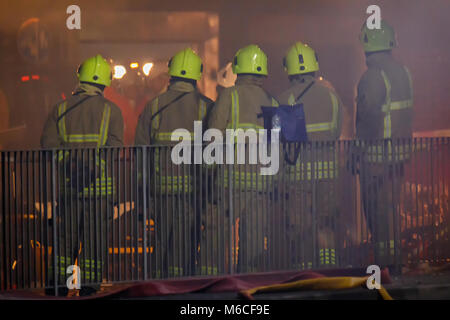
[[84, 120], [384, 114], [172, 184], [311, 181], [237, 107]]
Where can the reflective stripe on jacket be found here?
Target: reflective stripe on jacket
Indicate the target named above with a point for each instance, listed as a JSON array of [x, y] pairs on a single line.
[[179, 114], [390, 152]]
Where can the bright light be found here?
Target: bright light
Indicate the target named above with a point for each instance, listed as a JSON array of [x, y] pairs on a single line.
[[134, 65], [119, 72], [147, 67]]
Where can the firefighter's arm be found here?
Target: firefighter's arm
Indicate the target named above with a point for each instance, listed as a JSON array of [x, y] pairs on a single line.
[[371, 96], [209, 108], [142, 135], [115, 132], [50, 137], [220, 114]]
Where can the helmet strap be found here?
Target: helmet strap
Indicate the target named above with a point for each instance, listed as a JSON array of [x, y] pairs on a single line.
[[100, 86], [176, 79]]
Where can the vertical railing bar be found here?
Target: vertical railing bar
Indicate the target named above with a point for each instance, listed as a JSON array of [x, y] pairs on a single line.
[[196, 221], [55, 241], [397, 190], [168, 226], [105, 238], [120, 159], [144, 212], [99, 215], [162, 227], [438, 198], [136, 210], [443, 197], [36, 218], [67, 201], [431, 203], [178, 175], [16, 244], [5, 207], [133, 253], [22, 222], [416, 179], [410, 192], [30, 216], [58, 220], [123, 229], [81, 216], [232, 244]]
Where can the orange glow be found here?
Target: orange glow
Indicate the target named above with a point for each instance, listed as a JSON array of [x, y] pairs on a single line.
[[134, 65], [25, 78]]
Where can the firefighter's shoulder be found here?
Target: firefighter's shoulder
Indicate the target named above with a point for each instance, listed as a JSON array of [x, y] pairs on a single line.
[[114, 108]]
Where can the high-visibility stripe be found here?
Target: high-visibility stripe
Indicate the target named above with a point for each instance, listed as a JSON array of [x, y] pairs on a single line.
[[389, 105], [411, 88], [104, 126], [201, 110], [167, 136], [234, 109], [246, 180], [322, 126], [317, 127], [103, 185], [249, 126], [379, 153], [83, 138], [335, 106], [91, 269], [235, 124], [327, 256], [291, 100], [322, 170], [100, 138], [62, 124], [398, 105], [274, 103], [154, 109], [173, 184], [386, 248]]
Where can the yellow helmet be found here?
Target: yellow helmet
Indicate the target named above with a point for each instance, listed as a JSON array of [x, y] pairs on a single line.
[[300, 59], [378, 39], [250, 59], [95, 70], [186, 64]]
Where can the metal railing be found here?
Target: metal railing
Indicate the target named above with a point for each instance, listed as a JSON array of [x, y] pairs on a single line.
[[130, 214]]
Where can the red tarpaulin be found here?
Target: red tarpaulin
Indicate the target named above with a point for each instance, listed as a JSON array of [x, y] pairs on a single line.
[[228, 283]]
